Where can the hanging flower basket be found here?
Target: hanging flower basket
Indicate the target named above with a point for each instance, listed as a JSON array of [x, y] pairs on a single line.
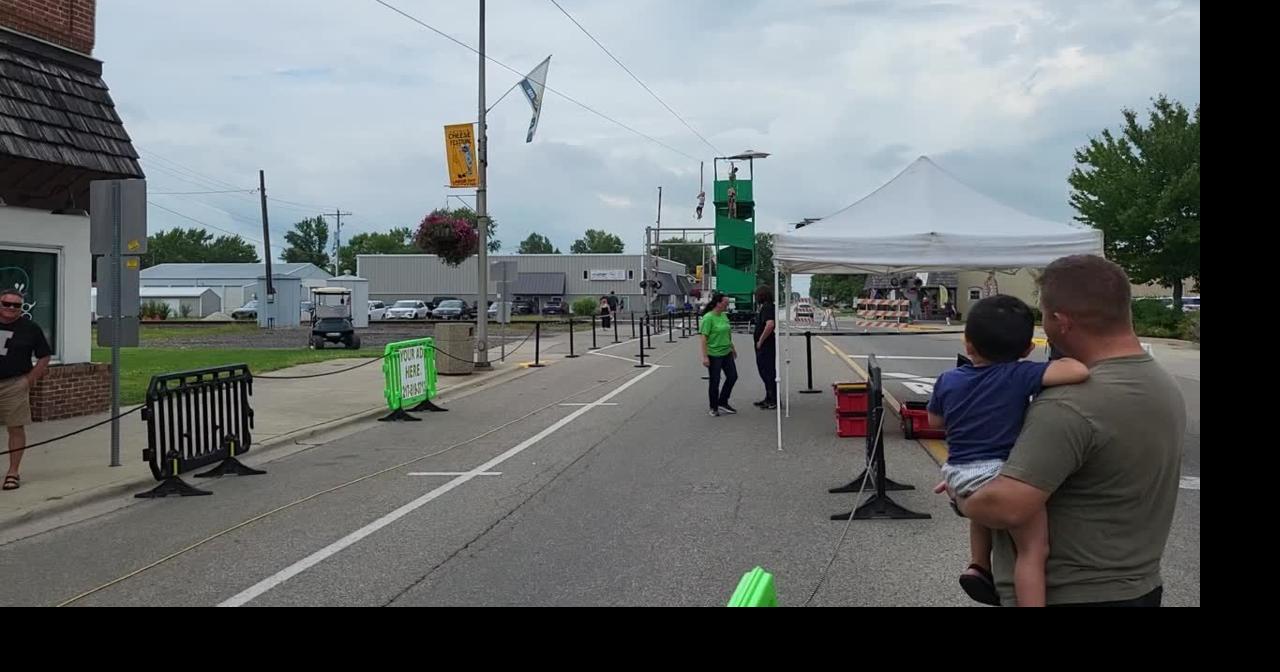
[[450, 238]]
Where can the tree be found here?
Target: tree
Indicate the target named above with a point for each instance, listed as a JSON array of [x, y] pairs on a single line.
[[537, 244], [764, 259], [308, 242], [396, 241], [196, 246], [597, 242], [1142, 190], [680, 250], [469, 215], [825, 288]]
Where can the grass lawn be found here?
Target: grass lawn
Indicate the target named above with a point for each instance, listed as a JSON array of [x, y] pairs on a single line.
[[137, 365]]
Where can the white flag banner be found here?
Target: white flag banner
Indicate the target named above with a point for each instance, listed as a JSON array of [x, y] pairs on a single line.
[[533, 86]]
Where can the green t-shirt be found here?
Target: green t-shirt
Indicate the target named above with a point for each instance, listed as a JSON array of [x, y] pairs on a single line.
[[719, 334], [1110, 452]]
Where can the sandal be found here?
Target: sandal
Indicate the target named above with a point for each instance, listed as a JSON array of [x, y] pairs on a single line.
[[12, 482], [979, 585]]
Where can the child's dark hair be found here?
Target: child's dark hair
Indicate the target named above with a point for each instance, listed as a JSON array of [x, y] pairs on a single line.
[[1000, 328]]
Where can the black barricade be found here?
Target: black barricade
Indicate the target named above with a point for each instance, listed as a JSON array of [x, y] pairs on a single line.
[[194, 419]]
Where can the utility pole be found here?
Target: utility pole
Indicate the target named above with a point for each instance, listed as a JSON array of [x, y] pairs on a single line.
[[268, 301], [657, 241], [482, 220], [337, 235]]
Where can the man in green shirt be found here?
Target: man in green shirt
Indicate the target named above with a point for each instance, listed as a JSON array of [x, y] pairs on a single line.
[[1103, 457]]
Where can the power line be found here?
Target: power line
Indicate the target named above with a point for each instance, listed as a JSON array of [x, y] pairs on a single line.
[[521, 75], [220, 184], [201, 193], [202, 223], [633, 76], [190, 175], [308, 207]]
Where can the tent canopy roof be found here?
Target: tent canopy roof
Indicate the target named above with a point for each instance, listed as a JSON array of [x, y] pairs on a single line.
[[926, 219]]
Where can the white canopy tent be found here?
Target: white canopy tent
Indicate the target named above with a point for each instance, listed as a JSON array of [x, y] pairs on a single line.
[[924, 219]]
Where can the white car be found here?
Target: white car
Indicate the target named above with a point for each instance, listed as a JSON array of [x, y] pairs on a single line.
[[377, 311], [408, 309]]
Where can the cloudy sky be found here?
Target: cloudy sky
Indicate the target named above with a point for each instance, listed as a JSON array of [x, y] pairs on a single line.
[[342, 102]]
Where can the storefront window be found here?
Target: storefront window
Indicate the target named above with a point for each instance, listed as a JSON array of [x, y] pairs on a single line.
[[35, 274]]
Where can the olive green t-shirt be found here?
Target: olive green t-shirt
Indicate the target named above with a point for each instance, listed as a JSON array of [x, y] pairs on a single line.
[[1110, 453], [719, 334]]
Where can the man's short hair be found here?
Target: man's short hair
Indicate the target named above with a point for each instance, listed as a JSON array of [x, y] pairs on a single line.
[[1092, 291], [764, 294]]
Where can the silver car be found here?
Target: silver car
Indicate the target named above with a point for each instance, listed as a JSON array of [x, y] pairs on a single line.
[[408, 309]]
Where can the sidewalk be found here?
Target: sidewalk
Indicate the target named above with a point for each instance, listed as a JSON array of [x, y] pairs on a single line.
[[74, 472]]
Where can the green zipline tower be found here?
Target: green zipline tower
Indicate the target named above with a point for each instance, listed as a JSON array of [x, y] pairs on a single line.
[[736, 229]]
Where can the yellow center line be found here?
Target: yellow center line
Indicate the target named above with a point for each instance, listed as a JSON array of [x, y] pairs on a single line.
[[936, 449], [848, 359]]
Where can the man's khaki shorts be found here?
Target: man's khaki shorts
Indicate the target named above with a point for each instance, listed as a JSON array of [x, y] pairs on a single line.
[[15, 402]]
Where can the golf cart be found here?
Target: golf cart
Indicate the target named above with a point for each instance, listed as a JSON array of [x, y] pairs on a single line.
[[331, 318]]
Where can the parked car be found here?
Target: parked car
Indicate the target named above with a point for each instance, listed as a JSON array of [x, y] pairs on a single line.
[[555, 306], [377, 311], [512, 308], [408, 309], [451, 309], [248, 311], [1190, 302], [435, 302]]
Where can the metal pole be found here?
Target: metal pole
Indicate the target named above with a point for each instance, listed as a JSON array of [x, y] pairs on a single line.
[[671, 328], [808, 355], [777, 353], [482, 218], [644, 272], [641, 365], [786, 375], [537, 346], [615, 326], [571, 354], [116, 308], [593, 334], [268, 303]]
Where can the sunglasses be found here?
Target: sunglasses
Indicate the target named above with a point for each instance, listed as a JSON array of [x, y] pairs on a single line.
[[11, 304]]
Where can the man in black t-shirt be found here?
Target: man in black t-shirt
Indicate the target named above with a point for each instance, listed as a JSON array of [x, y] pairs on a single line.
[[21, 341], [766, 348]]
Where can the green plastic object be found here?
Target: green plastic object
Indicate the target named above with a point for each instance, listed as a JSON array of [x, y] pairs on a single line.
[[755, 590], [409, 372]]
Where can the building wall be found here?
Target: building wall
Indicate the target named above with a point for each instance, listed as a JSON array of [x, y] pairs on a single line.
[[67, 236], [68, 23], [421, 276], [1023, 285]]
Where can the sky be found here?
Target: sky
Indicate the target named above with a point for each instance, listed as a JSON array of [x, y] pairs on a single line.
[[343, 103]]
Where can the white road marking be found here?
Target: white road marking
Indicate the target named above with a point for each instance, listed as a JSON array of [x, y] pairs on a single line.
[[256, 590], [455, 473]]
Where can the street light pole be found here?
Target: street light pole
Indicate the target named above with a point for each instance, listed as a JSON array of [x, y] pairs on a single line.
[[482, 221]]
